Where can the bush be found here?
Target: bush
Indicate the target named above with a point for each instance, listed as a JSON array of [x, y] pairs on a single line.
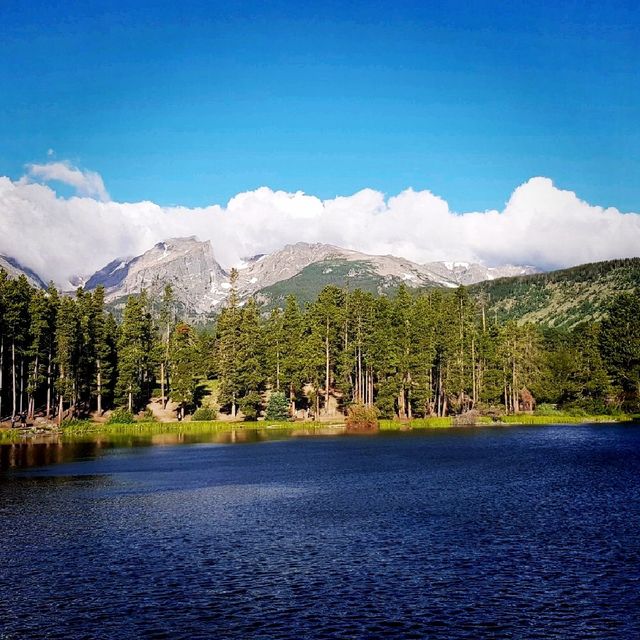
[[278, 407], [147, 416], [74, 422], [204, 414], [121, 416], [546, 409], [361, 418], [250, 405]]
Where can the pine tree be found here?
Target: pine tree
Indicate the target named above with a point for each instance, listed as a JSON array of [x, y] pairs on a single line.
[[67, 353], [166, 325], [228, 349], [183, 366], [16, 321], [620, 346], [292, 357], [135, 353], [251, 376]]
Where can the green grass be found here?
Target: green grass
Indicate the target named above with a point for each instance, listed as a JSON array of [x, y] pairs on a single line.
[[204, 426], [87, 428], [560, 418], [418, 423]]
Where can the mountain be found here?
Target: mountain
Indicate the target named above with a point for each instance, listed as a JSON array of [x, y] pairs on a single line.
[[14, 269], [200, 284], [321, 264], [467, 273], [561, 298], [305, 269]]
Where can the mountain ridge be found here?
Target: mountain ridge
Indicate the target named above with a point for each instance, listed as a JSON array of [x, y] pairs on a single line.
[[200, 284]]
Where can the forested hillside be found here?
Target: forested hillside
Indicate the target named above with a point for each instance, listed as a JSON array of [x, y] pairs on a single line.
[[416, 353], [559, 298], [307, 285]]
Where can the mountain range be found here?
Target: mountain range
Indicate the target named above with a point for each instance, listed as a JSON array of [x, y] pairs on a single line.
[[201, 286]]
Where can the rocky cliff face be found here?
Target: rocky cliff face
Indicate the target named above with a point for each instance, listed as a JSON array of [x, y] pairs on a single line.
[[14, 270], [199, 283]]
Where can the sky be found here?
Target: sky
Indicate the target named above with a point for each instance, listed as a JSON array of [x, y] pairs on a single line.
[[193, 107]]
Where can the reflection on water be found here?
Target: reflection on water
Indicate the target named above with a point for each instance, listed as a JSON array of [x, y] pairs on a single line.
[[40, 451]]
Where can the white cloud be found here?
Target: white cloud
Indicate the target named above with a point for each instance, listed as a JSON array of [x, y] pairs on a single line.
[[86, 183], [540, 225]]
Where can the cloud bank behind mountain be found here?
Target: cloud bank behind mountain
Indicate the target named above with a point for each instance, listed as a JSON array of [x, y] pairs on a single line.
[[540, 225]]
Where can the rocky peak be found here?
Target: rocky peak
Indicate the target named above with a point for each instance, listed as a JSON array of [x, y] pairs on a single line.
[[199, 283]]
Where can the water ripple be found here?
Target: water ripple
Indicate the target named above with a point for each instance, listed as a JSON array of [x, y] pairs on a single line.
[[520, 533]]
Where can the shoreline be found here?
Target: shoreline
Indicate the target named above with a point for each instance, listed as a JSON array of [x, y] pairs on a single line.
[[149, 427]]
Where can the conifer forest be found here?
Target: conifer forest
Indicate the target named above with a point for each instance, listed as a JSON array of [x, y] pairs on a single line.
[[414, 354]]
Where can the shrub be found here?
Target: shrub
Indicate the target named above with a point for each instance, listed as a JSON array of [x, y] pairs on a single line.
[[74, 422], [546, 409], [121, 416], [250, 405], [204, 414], [278, 407], [147, 416], [361, 418]]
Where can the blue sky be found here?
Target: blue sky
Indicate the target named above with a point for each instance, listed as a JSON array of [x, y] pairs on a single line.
[[190, 103]]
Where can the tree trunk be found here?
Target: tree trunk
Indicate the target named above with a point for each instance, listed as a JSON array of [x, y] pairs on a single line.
[[514, 388], [162, 382], [326, 385], [21, 384], [474, 396], [130, 400], [292, 401], [401, 408], [13, 377], [99, 389], [49, 386], [61, 396], [1, 372], [31, 404]]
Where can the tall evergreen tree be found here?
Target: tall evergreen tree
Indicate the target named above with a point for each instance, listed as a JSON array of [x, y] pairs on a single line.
[[183, 366]]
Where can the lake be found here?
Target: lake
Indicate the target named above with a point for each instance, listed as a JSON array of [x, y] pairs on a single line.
[[520, 532]]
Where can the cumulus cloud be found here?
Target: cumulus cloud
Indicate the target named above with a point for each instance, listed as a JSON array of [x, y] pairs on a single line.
[[540, 225], [86, 183]]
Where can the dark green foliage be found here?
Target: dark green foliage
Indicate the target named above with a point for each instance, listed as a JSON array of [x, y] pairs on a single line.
[[135, 354], [277, 407], [620, 347], [183, 365], [563, 298], [412, 355], [121, 416], [204, 414]]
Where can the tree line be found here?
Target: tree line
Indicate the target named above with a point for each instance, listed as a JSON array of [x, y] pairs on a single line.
[[415, 354]]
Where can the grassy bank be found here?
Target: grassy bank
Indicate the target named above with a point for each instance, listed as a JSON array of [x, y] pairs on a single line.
[[79, 428]]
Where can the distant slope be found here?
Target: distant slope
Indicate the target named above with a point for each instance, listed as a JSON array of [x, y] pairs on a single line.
[[560, 298], [349, 274], [14, 269]]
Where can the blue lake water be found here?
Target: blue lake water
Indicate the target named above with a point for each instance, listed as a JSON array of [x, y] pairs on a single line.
[[522, 532]]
